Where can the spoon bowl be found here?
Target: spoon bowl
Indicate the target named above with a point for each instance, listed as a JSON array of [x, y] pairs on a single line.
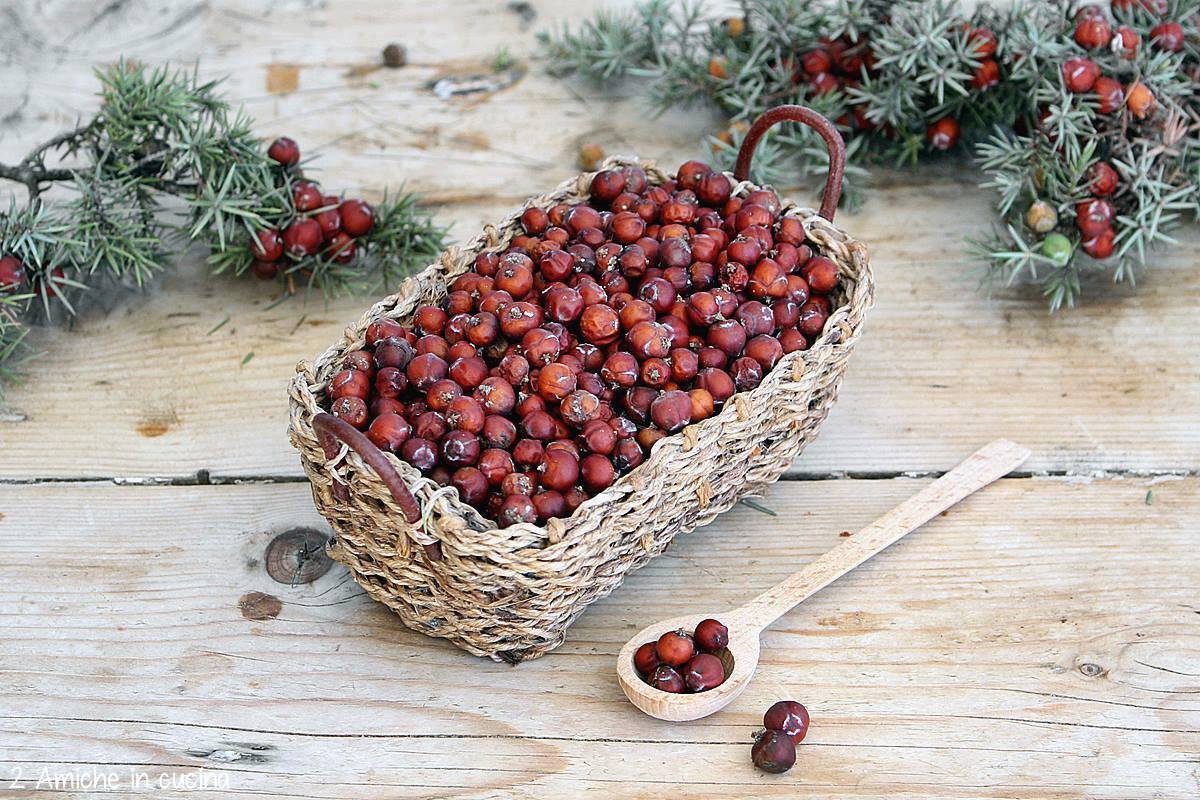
[[740, 658], [746, 623]]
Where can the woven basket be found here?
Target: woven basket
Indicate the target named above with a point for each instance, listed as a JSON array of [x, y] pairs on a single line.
[[511, 593]]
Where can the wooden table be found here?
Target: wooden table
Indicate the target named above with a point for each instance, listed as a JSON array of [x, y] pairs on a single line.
[[1040, 641]]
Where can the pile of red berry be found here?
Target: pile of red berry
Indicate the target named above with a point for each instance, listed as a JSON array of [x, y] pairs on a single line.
[[837, 64], [1093, 31], [840, 63], [684, 662], [554, 366], [785, 725], [326, 224]]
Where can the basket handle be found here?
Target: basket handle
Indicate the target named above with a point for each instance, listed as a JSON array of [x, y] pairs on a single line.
[[332, 431], [833, 140]]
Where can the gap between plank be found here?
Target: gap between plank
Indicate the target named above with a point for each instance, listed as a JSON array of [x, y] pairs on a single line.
[[204, 477]]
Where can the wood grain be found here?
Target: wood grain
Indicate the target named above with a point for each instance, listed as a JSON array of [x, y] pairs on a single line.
[[1108, 387], [1039, 641], [990, 463]]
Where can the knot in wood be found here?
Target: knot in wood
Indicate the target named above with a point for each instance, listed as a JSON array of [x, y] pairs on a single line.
[[297, 556]]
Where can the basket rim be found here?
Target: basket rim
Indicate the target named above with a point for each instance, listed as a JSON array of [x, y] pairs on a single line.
[[843, 326]]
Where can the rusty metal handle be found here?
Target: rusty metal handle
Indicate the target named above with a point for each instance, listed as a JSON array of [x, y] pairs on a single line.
[[833, 140], [331, 431]]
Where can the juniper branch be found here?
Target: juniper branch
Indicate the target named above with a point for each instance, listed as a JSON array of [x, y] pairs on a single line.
[[165, 134]]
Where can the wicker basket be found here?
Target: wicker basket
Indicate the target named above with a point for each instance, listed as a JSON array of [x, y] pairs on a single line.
[[511, 593]]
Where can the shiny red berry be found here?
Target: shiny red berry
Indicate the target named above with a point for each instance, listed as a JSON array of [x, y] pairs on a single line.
[[982, 42], [350, 382], [267, 245], [1093, 216], [1102, 179], [1080, 74], [559, 469], [425, 370], [822, 274], [389, 432], [550, 504], [600, 324], [714, 190], [472, 486], [496, 395], [711, 636], [773, 751], [671, 410], [580, 407], [691, 173], [943, 134], [460, 449], [12, 274], [421, 453], [814, 62], [1125, 42], [645, 659], [703, 672], [358, 218], [535, 221], [351, 409], [597, 472], [284, 151], [717, 383], [306, 196], [1167, 36], [787, 717], [1102, 245], [667, 679], [342, 248], [986, 75], [676, 648], [1110, 93], [515, 509], [303, 238], [1093, 32], [607, 184], [824, 83]]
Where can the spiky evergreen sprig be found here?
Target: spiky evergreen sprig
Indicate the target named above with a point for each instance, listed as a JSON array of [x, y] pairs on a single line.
[[1034, 138], [403, 238], [1155, 157], [166, 161], [918, 67]]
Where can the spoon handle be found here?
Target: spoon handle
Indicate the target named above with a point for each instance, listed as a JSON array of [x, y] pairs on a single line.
[[989, 463]]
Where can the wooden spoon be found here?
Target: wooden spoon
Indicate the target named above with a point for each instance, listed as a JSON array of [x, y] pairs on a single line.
[[747, 622]]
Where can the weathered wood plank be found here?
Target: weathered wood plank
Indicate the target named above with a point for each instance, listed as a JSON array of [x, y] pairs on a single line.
[[1040, 641]]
